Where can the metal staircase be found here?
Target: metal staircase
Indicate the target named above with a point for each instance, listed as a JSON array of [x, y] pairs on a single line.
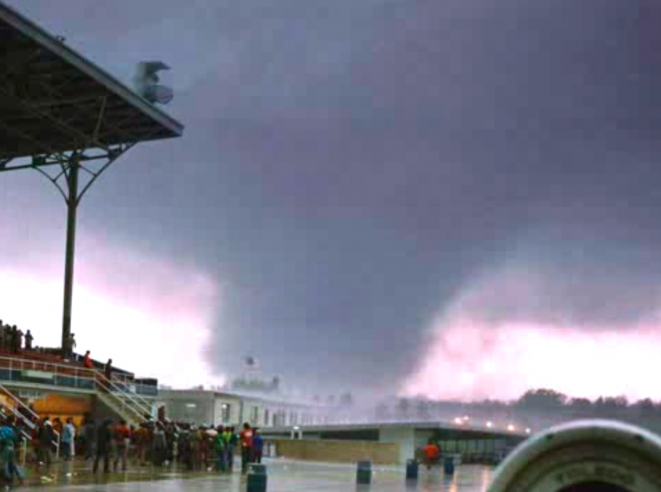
[[26, 423], [119, 397]]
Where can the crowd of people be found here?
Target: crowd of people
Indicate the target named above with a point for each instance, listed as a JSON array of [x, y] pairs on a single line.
[[111, 446], [13, 339]]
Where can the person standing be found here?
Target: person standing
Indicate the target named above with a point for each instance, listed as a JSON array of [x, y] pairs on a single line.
[[140, 438], [158, 445], [87, 362], [89, 439], [14, 339], [205, 448], [46, 439], [28, 340], [432, 453], [226, 453], [219, 448], [58, 427], [8, 338], [69, 439], [19, 342], [8, 440], [107, 370], [246, 446], [103, 443], [122, 442], [72, 344], [257, 446], [233, 443], [194, 438]]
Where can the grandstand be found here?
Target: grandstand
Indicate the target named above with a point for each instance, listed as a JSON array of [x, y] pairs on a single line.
[[61, 114]]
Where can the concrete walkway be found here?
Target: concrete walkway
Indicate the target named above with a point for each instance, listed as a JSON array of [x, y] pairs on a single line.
[[284, 476]]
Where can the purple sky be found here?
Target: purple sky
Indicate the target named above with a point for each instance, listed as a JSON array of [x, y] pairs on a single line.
[[369, 195]]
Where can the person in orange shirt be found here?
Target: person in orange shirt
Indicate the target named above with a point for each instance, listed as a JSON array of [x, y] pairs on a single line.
[[122, 438], [88, 361], [432, 453]]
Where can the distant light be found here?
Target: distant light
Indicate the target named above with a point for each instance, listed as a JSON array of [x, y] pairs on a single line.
[[465, 417], [223, 406], [511, 428], [296, 427], [458, 421], [191, 405], [528, 431], [489, 424]]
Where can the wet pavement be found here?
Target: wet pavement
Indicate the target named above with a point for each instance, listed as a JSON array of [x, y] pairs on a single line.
[[283, 476]]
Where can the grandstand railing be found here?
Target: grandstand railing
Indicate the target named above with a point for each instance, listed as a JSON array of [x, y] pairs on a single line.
[[124, 394], [126, 400], [130, 389], [125, 382], [18, 370], [30, 420], [48, 373]]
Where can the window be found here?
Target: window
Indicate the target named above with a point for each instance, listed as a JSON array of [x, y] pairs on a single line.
[[266, 417], [226, 412], [254, 416]]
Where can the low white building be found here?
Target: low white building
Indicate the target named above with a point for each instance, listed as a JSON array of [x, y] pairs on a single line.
[[215, 407]]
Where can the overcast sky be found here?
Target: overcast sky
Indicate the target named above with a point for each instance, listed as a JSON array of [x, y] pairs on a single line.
[[456, 198]]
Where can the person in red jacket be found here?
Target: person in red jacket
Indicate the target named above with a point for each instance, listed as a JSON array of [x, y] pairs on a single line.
[[88, 361], [432, 453], [122, 440], [246, 446]]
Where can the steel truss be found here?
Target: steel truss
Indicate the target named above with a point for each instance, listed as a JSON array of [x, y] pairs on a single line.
[[63, 168]]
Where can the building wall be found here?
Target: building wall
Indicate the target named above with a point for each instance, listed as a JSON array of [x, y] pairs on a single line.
[[208, 407], [193, 406], [228, 415], [337, 451], [63, 406], [403, 437]]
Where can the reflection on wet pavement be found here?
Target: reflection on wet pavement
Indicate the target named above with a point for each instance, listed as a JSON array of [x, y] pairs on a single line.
[[284, 476]]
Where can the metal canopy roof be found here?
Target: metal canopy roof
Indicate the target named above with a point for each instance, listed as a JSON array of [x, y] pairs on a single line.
[[53, 100]]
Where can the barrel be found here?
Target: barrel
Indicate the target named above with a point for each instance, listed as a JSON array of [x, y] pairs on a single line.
[[364, 473], [256, 478], [448, 464], [412, 470]]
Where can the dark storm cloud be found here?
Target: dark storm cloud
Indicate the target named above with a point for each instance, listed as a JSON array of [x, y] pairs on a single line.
[[348, 166]]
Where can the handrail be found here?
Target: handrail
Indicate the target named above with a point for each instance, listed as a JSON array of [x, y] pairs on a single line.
[[25, 420], [122, 396], [144, 407], [123, 405], [18, 400], [37, 365], [6, 405], [138, 397]]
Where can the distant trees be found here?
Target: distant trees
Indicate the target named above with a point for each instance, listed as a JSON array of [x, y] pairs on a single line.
[[540, 399], [580, 404], [610, 404], [536, 405]]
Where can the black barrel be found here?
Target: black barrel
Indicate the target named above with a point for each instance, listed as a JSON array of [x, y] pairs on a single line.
[[412, 470], [364, 473], [448, 464], [256, 478]]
